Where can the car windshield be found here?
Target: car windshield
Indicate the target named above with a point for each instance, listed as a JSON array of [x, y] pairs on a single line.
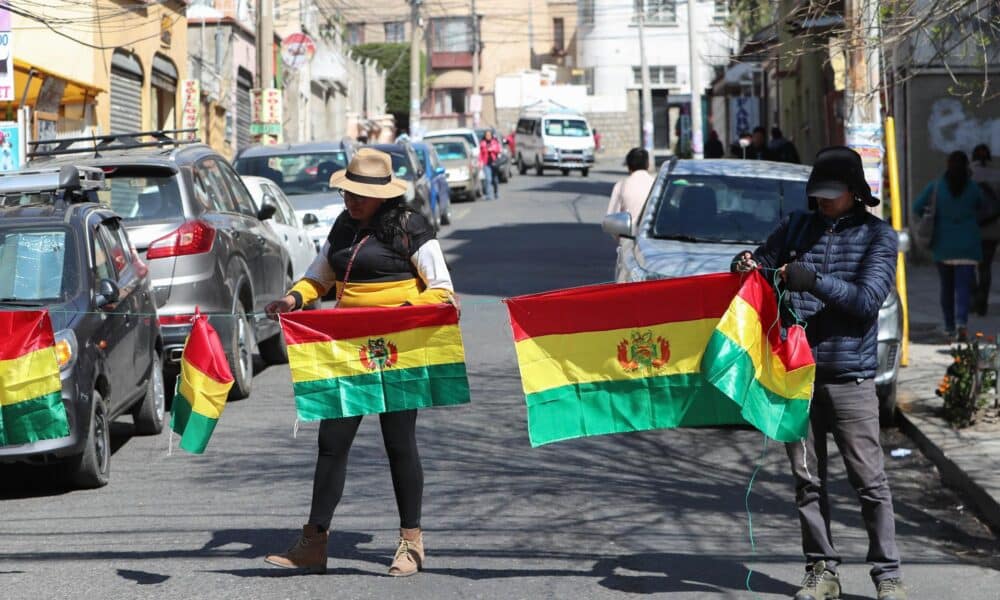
[[295, 174], [451, 150], [401, 166], [37, 266], [725, 209], [142, 197], [566, 127]]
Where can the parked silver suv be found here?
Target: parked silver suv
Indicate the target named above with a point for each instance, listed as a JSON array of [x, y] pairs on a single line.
[[193, 222]]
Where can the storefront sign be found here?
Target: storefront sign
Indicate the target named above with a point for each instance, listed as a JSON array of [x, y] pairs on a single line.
[[297, 50], [10, 146], [6, 56], [744, 115], [267, 116], [190, 106], [866, 140]]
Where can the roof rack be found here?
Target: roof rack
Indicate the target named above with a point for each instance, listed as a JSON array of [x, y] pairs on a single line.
[[67, 178], [114, 141]]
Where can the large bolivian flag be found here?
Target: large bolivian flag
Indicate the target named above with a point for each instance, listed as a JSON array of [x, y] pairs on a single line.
[[202, 387], [684, 352], [347, 362], [31, 405]]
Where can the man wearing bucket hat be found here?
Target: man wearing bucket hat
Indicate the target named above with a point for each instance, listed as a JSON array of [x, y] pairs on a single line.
[[836, 265], [378, 253]]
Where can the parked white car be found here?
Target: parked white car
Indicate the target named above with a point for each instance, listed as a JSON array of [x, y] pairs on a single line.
[[285, 223]]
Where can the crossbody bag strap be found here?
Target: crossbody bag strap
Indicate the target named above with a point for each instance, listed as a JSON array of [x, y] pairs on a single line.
[[350, 265]]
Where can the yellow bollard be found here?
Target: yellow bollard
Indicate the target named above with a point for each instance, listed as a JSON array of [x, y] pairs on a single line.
[[897, 224]]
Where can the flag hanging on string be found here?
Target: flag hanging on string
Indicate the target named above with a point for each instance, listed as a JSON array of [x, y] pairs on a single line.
[[202, 387], [31, 403], [686, 352], [360, 361]]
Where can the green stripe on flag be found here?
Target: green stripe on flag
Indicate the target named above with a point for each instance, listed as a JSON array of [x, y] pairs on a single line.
[[195, 429], [382, 391], [730, 369], [42, 418]]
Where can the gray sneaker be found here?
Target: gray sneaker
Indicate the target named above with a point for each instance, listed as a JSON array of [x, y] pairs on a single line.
[[891, 589], [819, 583]]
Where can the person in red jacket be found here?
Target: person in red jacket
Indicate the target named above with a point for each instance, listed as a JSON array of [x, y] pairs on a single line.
[[511, 145], [489, 155]]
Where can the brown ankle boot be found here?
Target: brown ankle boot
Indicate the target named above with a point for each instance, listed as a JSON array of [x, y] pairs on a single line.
[[409, 554], [308, 553]]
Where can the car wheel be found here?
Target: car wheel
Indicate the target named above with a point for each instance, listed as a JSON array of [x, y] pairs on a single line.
[[504, 175], [92, 468], [273, 349], [565, 172], [240, 355], [585, 172], [522, 167], [446, 216], [539, 170], [887, 404], [148, 415]]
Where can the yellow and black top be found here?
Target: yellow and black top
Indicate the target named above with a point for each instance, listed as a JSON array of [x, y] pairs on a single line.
[[408, 268]]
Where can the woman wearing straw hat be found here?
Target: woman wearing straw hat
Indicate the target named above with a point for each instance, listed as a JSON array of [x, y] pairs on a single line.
[[379, 253]]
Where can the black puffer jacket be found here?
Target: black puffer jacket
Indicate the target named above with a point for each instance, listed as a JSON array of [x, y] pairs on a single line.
[[855, 259]]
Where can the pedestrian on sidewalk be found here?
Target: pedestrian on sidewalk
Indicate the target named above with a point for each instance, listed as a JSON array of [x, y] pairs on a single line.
[[629, 194], [489, 155], [837, 264], [956, 244], [713, 147], [988, 179], [379, 253]]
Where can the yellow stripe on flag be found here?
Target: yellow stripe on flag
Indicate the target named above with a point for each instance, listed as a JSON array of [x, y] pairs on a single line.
[[418, 347], [553, 361], [29, 376], [206, 395], [741, 323]]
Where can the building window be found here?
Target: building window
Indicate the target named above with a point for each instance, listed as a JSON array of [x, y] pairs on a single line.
[[452, 34], [558, 35], [658, 75], [721, 11], [355, 34], [586, 12], [450, 101], [395, 32], [657, 12]]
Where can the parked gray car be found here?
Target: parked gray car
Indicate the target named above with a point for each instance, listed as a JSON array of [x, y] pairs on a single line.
[[193, 223], [700, 213]]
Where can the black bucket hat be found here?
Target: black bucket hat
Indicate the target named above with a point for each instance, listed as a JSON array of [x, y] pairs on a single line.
[[836, 170]]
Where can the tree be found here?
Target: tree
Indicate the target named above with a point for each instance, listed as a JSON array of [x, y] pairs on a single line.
[[395, 60]]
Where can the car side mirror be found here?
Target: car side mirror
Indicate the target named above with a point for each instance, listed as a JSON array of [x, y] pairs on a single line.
[[904, 241], [107, 293], [267, 211], [310, 219], [618, 224], [440, 171]]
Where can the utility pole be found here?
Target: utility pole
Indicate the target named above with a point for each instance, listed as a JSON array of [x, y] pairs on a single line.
[[476, 100], [264, 113], [531, 33], [415, 92], [695, 77], [647, 94]]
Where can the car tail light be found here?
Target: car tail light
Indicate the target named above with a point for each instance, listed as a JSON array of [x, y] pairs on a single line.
[[175, 319], [193, 237]]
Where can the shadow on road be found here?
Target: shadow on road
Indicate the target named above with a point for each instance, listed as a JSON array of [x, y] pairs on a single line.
[[142, 577], [570, 185]]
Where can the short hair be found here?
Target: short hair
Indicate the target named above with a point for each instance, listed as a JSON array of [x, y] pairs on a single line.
[[760, 129], [776, 133], [637, 159], [981, 154]]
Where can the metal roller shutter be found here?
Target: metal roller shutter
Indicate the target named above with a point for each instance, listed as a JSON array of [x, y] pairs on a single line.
[[243, 111], [126, 102]]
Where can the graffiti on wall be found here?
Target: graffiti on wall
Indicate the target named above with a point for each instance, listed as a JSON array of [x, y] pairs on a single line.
[[952, 129]]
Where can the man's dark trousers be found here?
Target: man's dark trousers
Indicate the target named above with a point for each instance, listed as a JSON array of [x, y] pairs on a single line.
[[848, 410]]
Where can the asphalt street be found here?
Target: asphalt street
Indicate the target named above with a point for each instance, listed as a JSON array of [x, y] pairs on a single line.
[[659, 514]]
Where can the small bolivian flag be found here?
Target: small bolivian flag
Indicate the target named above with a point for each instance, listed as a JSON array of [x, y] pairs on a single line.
[[347, 362], [202, 387], [686, 352], [31, 404]]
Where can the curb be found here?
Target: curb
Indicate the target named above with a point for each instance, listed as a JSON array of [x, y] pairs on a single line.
[[984, 504]]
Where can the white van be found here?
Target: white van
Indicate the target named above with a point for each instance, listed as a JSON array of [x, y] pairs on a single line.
[[554, 139]]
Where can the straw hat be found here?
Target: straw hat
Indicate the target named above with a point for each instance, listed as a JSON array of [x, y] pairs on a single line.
[[369, 174]]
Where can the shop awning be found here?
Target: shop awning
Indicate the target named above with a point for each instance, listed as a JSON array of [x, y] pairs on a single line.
[[76, 91], [454, 78]]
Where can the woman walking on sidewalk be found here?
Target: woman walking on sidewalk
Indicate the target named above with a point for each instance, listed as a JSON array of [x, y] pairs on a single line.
[[956, 243], [379, 253], [489, 156]]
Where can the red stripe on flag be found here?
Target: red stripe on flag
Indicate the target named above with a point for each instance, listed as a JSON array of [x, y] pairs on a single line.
[[24, 331], [346, 323], [793, 352], [623, 305], [203, 351]]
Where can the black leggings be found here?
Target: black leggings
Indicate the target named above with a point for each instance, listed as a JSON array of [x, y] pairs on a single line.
[[399, 436]]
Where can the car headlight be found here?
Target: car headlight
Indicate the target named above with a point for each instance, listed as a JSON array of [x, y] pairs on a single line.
[[550, 150], [66, 349]]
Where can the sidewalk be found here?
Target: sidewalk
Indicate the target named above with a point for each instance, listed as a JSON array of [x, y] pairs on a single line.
[[967, 458]]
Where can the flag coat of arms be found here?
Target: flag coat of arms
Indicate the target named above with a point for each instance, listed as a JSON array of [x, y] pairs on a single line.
[[347, 362], [202, 387], [31, 404], [694, 351]]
